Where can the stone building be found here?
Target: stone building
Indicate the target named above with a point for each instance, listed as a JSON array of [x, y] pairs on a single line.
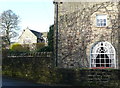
[[87, 34]]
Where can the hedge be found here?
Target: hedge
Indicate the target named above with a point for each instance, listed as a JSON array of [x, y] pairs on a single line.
[[19, 48], [16, 47]]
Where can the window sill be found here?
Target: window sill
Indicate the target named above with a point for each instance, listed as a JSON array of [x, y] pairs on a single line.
[[101, 26], [101, 67]]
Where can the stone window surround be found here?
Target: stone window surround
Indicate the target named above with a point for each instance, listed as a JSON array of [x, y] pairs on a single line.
[[105, 17], [92, 53]]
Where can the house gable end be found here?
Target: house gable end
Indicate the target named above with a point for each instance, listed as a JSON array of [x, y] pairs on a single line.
[[27, 34]]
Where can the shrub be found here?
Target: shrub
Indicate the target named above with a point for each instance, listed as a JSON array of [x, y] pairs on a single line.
[[39, 45], [16, 47], [26, 48], [36, 46], [45, 49], [19, 48]]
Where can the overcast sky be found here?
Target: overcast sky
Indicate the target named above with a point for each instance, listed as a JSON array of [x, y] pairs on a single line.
[[36, 14]]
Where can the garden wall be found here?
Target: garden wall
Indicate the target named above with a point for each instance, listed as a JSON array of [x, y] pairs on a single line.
[[41, 69]]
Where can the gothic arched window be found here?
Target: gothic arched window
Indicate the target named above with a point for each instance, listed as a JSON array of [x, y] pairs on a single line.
[[102, 55]]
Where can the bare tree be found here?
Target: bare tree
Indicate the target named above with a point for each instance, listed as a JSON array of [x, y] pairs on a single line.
[[8, 24]]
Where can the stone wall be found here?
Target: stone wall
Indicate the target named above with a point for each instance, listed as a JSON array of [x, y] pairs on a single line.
[[87, 78], [77, 31], [41, 70]]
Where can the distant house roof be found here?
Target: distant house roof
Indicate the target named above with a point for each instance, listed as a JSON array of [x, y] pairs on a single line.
[[37, 34], [44, 34]]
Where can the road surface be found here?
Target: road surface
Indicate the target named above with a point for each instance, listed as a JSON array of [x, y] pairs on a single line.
[[8, 82]]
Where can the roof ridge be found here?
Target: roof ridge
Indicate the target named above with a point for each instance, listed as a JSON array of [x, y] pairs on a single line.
[[36, 33]]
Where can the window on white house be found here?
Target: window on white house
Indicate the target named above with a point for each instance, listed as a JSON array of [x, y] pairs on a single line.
[[101, 20]]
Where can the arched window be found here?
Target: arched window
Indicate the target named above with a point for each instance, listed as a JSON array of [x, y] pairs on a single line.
[[102, 55]]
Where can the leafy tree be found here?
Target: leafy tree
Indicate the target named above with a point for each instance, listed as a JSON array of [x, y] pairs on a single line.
[[50, 37], [8, 24]]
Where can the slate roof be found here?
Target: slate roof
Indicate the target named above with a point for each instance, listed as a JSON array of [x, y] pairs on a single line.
[[37, 34]]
